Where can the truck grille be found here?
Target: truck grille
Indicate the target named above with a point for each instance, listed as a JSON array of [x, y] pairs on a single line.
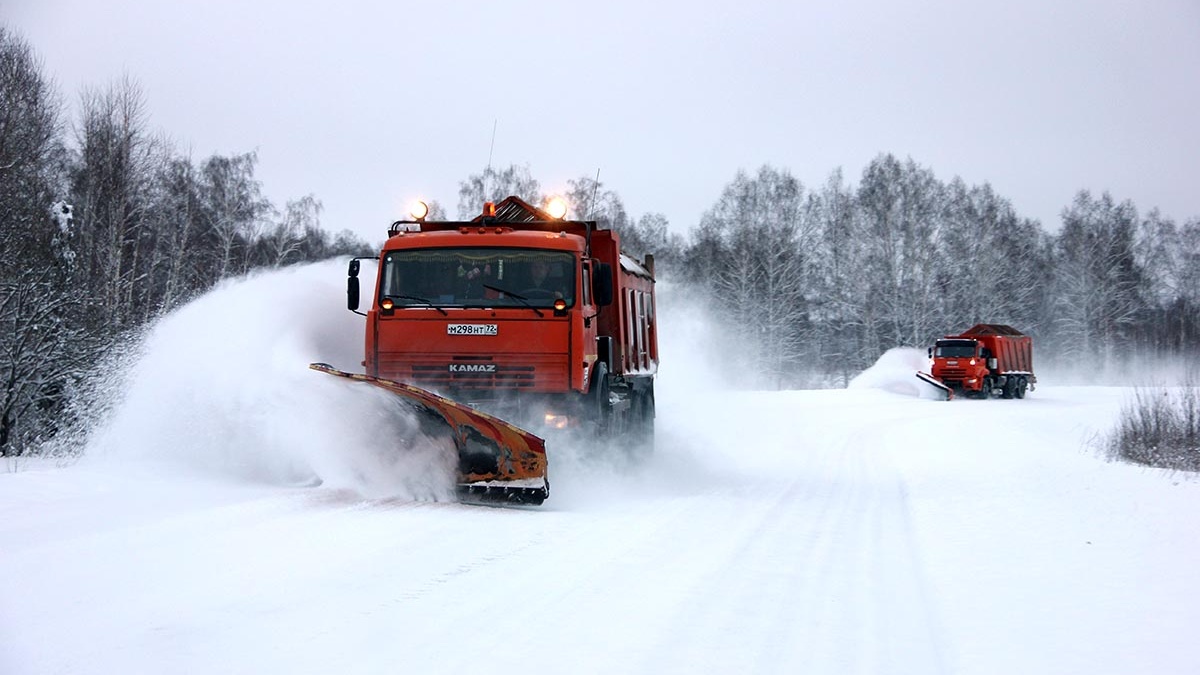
[[952, 374], [502, 377], [444, 371]]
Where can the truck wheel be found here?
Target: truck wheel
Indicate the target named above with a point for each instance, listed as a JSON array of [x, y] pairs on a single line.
[[641, 437], [985, 392], [1010, 387], [600, 407], [1022, 385]]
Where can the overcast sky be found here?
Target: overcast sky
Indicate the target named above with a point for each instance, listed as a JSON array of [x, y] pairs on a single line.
[[368, 105]]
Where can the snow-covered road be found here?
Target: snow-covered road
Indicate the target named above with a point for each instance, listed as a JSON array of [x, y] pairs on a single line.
[[848, 531], [826, 532]]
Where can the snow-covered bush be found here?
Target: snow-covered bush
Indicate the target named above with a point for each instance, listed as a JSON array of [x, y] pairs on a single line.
[[1160, 427]]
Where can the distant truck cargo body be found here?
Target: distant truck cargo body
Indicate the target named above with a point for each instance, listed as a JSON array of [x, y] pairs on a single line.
[[986, 360]]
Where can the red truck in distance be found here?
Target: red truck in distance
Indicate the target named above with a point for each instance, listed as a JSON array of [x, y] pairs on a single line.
[[985, 360]]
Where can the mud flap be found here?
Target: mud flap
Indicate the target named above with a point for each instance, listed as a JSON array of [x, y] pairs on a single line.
[[944, 393], [497, 462]]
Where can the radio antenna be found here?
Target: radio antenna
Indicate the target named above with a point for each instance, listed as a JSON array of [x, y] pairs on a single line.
[[488, 171], [595, 186]]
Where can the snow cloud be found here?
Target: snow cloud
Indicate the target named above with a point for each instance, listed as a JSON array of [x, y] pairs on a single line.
[[222, 387]]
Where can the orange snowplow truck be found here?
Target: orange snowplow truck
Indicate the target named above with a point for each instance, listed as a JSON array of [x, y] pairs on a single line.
[[521, 315], [986, 360]]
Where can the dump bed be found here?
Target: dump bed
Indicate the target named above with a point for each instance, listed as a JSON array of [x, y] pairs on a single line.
[[1012, 349]]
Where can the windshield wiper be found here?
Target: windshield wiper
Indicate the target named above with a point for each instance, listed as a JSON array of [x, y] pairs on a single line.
[[519, 298], [413, 297]]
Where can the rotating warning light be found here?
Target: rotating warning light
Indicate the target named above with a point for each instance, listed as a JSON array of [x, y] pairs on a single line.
[[387, 303], [419, 210], [556, 207], [560, 305]]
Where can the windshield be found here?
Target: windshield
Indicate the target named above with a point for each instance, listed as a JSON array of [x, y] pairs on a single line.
[[478, 277], [956, 349]]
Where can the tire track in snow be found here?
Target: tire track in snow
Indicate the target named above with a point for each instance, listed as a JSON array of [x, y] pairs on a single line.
[[813, 569], [861, 602]]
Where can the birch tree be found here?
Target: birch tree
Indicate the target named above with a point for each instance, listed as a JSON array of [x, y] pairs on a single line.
[[651, 234], [588, 199], [493, 185], [1097, 299], [233, 210], [756, 271], [841, 306], [285, 242], [31, 156], [111, 186], [991, 266], [902, 209]]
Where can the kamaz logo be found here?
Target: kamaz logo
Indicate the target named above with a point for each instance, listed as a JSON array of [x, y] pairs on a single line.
[[472, 367]]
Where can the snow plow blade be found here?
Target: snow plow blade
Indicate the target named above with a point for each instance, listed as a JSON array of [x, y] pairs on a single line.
[[944, 393], [497, 462]]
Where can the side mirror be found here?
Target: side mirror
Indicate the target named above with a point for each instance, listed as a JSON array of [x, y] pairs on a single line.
[[352, 286], [352, 294], [602, 284], [929, 352]]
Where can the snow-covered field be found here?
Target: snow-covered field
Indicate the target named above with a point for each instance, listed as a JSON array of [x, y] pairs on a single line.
[[864, 530]]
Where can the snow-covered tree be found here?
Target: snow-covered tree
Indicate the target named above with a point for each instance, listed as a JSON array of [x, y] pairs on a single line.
[[491, 185], [749, 255], [233, 209], [1097, 277], [651, 234], [902, 207], [991, 267], [284, 243], [840, 306], [112, 185], [31, 156]]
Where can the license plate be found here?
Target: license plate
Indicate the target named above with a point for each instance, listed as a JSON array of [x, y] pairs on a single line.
[[471, 329]]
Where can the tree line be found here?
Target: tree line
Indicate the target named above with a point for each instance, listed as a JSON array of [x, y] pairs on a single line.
[[823, 281], [809, 286], [105, 226]]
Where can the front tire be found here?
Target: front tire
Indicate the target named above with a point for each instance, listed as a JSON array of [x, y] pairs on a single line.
[[600, 411], [641, 426]]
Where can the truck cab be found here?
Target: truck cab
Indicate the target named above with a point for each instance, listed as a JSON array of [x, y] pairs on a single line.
[[960, 364], [531, 318]]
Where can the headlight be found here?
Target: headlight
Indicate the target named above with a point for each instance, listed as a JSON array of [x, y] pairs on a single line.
[[556, 207], [419, 210]]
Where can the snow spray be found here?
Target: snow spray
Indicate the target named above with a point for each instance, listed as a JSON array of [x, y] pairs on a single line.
[[221, 386]]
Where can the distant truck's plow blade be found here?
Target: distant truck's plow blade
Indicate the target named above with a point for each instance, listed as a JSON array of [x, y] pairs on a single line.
[[497, 462], [943, 392]]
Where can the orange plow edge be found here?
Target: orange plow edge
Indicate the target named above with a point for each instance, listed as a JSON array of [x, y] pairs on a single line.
[[497, 462], [943, 392]]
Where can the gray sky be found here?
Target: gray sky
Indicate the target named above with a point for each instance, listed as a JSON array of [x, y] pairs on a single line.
[[368, 105]]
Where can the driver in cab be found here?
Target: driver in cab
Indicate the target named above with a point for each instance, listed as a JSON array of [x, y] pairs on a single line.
[[542, 282]]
